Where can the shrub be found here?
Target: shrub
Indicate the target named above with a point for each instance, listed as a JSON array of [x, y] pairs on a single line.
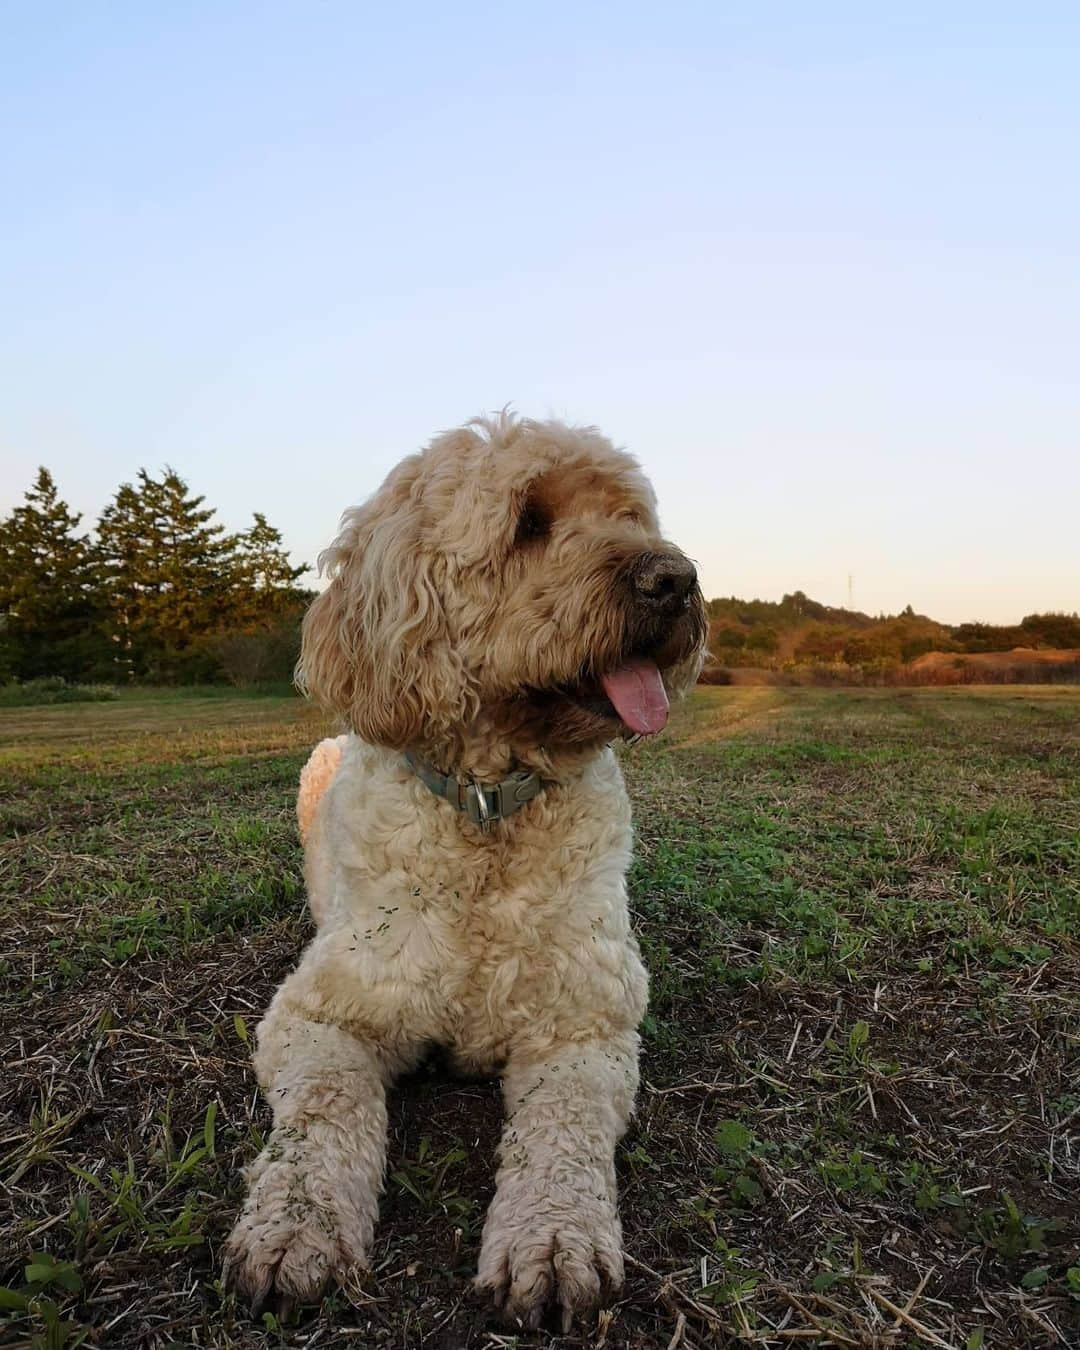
[[265, 655], [52, 689]]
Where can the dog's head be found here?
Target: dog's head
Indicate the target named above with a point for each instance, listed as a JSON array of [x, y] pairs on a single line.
[[510, 576]]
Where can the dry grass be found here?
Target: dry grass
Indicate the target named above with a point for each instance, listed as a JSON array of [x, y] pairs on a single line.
[[858, 1121]]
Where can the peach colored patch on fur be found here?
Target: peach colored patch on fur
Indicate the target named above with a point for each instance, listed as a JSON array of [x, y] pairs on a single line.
[[315, 778]]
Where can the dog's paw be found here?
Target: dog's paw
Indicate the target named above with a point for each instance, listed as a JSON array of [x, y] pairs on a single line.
[[291, 1237], [539, 1253]]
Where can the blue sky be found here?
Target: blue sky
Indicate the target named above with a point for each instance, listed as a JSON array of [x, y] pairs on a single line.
[[817, 265]]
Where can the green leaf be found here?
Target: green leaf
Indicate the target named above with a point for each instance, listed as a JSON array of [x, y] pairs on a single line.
[[823, 1280], [208, 1129], [89, 1178], [405, 1181], [43, 1269], [188, 1161], [241, 1028], [13, 1300], [857, 1037], [1035, 1279], [67, 1277], [733, 1139], [181, 1240], [975, 1340], [747, 1188]]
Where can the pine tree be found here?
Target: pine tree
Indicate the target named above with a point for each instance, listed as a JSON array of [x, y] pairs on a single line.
[[120, 533], [152, 599], [265, 580], [50, 590], [171, 572]]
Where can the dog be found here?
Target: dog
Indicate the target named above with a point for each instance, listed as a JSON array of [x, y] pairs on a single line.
[[498, 614]]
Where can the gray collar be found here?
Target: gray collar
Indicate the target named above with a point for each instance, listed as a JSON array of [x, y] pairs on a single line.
[[484, 803]]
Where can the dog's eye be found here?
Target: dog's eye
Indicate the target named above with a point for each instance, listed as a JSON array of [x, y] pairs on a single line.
[[532, 524]]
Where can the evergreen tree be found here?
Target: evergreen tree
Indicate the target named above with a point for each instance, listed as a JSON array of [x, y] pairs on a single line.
[[50, 590], [264, 585], [171, 572], [152, 599]]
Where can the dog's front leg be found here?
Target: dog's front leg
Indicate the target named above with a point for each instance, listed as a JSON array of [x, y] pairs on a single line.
[[313, 1191], [552, 1234]]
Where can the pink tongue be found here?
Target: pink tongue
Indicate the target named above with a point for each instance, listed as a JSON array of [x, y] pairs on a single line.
[[638, 694]]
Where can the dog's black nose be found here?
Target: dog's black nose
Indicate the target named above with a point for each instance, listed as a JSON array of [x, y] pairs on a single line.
[[663, 580]]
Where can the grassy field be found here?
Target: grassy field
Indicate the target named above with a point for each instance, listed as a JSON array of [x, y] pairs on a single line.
[[857, 1124]]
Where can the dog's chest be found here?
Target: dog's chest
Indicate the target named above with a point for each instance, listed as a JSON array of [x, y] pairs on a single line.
[[485, 933], [457, 905]]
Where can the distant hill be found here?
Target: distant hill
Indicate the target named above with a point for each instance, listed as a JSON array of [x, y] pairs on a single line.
[[792, 609], [1022, 665], [799, 631]]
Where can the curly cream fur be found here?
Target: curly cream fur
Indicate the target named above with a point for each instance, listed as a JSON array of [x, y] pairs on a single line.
[[442, 630]]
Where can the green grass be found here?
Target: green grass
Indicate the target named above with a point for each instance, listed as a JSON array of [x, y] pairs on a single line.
[[860, 910]]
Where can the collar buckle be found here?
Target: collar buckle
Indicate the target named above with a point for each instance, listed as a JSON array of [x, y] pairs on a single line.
[[485, 804]]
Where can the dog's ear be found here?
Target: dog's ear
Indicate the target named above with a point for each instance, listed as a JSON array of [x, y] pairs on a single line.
[[374, 648]]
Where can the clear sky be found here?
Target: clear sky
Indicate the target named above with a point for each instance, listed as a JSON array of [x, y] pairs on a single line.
[[818, 265]]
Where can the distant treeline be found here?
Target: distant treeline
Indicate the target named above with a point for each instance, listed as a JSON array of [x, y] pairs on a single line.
[[157, 592], [799, 634]]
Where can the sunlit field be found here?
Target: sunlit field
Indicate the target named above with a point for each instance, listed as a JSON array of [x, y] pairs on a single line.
[[857, 1125]]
